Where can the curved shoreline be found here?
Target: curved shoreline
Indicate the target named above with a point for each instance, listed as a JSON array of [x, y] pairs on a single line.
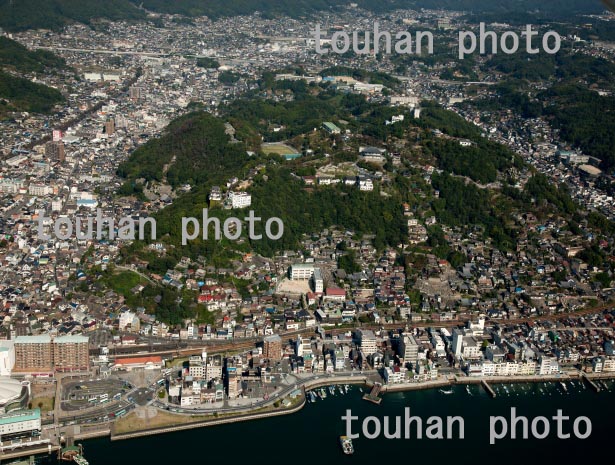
[[314, 384], [214, 422]]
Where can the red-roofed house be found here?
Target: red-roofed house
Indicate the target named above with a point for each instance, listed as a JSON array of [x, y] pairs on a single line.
[[335, 294]]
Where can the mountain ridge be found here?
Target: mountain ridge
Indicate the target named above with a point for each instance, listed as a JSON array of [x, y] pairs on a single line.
[[54, 14]]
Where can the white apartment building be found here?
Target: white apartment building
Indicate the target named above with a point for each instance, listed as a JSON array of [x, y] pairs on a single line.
[[366, 185], [303, 346], [367, 341], [438, 345], [196, 368], [57, 204], [39, 190], [425, 371], [190, 399], [11, 186], [608, 364], [548, 366], [339, 360], [126, 318], [477, 328], [489, 368], [527, 368], [240, 199], [396, 375]]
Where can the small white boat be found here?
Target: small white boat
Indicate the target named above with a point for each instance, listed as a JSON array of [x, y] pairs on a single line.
[[346, 444]]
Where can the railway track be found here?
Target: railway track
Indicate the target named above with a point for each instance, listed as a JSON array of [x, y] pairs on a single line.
[[241, 345]]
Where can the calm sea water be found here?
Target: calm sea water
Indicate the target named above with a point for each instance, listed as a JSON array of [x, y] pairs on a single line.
[[311, 436]]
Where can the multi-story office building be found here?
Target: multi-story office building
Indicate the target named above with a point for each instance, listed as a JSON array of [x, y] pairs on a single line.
[[409, 349], [272, 347], [367, 341]]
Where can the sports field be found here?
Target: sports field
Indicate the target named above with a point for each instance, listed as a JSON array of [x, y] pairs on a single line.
[[278, 148]]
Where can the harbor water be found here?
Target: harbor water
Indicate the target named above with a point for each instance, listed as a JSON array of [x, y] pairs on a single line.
[[312, 435]]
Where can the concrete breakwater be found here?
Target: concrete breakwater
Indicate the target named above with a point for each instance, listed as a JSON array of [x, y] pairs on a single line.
[[213, 422]]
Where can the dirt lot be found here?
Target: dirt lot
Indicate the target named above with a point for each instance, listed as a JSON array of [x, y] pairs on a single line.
[[43, 393], [150, 417], [287, 286]]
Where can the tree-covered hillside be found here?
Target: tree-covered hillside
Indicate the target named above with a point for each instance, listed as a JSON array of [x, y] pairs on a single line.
[[19, 94], [194, 149], [16, 56]]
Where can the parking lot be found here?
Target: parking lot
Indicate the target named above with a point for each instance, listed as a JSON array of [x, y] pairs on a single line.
[[83, 394]]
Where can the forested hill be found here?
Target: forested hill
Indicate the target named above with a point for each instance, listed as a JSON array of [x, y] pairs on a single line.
[[18, 93], [52, 14], [195, 150], [16, 56], [18, 15]]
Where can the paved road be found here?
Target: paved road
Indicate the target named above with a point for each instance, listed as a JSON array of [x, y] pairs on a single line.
[[328, 378], [100, 50]]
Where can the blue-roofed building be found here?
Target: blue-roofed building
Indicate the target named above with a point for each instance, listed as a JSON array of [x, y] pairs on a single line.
[[20, 422]]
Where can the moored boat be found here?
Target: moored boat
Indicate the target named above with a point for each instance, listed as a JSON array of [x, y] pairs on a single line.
[[346, 444]]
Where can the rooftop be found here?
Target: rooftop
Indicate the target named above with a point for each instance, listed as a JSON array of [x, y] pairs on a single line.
[[19, 416]]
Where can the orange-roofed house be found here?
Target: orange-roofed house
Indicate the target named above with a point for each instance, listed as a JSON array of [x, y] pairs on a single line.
[[152, 362]]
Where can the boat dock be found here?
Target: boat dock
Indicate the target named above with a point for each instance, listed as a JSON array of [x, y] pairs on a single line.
[[27, 452], [593, 385], [373, 396], [488, 388]]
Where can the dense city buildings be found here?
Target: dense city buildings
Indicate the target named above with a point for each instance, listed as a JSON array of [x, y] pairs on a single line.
[[446, 221]]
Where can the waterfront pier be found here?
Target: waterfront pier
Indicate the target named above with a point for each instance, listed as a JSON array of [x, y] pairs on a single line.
[[488, 388], [593, 385]]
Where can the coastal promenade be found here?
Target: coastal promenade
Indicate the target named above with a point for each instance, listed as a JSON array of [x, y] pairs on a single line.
[[213, 422], [246, 413], [253, 411]]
